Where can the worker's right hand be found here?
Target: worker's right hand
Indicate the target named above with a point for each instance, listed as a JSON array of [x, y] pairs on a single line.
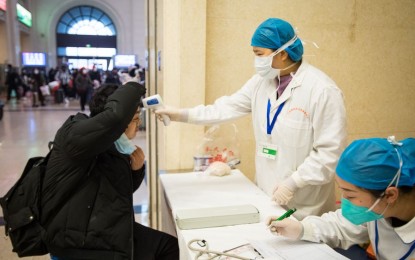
[[284, 192], [287, 227], [175, 114]]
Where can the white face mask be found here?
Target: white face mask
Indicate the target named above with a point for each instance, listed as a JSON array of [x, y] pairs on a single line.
[[263, 65]]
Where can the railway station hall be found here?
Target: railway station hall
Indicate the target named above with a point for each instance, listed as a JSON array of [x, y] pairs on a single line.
[[207, 129]]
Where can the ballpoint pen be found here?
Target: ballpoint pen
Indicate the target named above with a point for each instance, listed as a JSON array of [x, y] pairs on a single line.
[[285, 215]]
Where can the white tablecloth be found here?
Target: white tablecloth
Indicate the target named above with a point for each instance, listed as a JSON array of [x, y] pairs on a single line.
[[196, 190]]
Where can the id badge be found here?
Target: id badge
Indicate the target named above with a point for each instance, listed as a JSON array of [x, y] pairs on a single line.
[[267, 150]]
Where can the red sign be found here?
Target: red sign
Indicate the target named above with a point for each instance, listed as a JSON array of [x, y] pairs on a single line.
[[3, 4]]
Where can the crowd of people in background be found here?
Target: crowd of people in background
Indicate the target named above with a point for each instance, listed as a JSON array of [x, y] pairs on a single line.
[[62, 83]]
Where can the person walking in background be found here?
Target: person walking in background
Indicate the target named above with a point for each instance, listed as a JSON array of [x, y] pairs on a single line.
[[13, 81], [95, 76], [52, 73], [75, 74], [298, 116], [112, 77], [25, 82], [83, 86], [63, 76], [38, 80]]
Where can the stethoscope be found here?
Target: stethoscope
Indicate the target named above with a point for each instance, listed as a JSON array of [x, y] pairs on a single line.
[[203, 249]]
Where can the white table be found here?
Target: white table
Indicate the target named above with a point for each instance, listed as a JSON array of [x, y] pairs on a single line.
[[197, 190]]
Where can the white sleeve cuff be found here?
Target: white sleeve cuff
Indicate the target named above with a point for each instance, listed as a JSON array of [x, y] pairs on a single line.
[[184, 116], [307, 232], [298, 181]]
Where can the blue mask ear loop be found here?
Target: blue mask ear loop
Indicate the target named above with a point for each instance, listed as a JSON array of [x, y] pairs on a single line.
[[392, 141], [396, 177]]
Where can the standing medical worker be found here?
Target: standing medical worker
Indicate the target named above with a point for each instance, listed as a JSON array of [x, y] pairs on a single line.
[[298, 116], [377, 177]]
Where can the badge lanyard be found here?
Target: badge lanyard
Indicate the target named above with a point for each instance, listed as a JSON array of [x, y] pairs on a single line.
[[377, 242], [271, 126]]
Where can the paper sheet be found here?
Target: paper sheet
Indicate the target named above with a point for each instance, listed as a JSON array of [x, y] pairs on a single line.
[[281, 248], [246, 250]]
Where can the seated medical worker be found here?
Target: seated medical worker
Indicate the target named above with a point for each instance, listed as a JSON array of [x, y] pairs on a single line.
[[377, 178]]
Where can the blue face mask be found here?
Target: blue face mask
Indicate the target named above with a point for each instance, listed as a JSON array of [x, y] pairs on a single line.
[[358, 214], [124, 145]]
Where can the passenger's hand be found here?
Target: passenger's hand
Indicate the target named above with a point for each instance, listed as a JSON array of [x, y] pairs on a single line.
[[137, 159], [287, 227], [175, 114], [284, 192]]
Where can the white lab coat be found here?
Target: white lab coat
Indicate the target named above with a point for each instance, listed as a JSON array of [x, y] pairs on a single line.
[[310, 133], [336, 231]]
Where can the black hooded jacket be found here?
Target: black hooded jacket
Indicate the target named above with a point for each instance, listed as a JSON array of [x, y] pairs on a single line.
[[87, 204]]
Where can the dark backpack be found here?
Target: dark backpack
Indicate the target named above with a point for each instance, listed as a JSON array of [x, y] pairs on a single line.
[[22, 211]]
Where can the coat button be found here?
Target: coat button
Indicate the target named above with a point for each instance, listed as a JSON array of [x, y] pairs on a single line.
[[31, 217]]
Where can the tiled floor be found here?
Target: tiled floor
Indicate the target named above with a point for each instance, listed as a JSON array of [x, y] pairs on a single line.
[[24, 133]]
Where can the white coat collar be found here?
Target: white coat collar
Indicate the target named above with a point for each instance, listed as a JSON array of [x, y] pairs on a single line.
[[406, 232], [295, 82]]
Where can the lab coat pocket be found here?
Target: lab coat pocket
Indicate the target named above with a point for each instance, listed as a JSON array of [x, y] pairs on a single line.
[[295, 134]]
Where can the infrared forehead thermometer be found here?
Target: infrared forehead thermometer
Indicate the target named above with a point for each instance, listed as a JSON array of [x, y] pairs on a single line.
[[155, 102]]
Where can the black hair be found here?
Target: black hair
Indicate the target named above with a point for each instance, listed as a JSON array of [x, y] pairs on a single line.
[[403, 189], [99, 99], [133, 71]]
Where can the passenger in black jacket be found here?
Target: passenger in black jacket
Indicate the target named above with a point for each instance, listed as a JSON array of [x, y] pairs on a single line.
[[87, 202]]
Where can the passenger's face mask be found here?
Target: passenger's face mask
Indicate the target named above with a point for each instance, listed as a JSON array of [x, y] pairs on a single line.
[[124, 145], [263, 65]]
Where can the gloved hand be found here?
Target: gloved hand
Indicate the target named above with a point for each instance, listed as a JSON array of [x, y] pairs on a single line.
[[287, 227], [175, 114], [284, 192]]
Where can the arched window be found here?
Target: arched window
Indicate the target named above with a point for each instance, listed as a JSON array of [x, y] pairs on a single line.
[[86, 20], [86, 36]]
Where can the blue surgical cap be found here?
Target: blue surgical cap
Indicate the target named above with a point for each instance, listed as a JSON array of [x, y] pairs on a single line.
[[373, 163], [273, 33]]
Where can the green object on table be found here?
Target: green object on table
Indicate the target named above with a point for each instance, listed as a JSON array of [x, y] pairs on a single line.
[[287, 214]]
